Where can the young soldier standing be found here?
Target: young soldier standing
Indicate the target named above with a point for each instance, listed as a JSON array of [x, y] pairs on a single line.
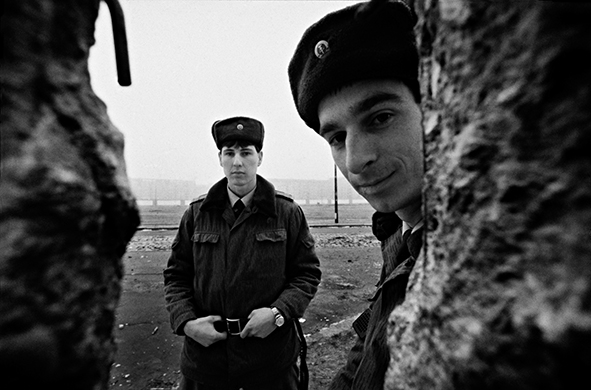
[[242, 269], [354, 80]]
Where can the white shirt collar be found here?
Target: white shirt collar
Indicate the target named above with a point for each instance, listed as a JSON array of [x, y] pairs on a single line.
[[246, 199], [417, 226]]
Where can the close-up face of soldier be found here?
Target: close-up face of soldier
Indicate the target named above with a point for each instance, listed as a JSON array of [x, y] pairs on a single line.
[[240, 164], [374, 131]]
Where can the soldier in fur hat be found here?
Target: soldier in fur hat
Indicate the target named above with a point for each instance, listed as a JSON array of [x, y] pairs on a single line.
[[241, 272], [354, 80]]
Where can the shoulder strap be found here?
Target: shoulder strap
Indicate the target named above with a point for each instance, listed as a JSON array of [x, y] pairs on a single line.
[[199, 198], [283, 195], [304, 376]]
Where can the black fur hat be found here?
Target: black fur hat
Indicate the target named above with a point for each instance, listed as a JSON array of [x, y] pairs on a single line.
[[236, 129], [365, 41]]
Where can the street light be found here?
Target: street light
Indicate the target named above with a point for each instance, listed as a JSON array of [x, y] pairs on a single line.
[[336, 196]]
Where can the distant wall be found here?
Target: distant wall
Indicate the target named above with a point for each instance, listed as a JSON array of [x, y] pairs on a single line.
[[501, 298], [183, 191]]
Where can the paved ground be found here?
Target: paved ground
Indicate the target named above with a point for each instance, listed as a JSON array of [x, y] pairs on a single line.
[[148, 352]]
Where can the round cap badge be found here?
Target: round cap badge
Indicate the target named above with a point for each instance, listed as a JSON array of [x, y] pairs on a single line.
[[240, 127], [321, 49]]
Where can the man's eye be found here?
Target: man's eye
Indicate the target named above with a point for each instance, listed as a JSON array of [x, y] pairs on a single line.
[[382, 118], [337, 139]]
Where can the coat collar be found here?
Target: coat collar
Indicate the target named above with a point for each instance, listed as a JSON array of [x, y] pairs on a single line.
[[263, 200], [384, 224]]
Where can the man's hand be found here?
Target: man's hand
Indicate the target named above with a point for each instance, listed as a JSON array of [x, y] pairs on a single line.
[[202, 330], [261, 322]]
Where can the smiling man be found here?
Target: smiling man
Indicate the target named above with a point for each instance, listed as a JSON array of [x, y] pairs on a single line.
[[354, 80], [374, 131], [242, 271]]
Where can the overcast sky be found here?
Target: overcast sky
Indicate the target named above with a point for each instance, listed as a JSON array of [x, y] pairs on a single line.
[[194, 62]]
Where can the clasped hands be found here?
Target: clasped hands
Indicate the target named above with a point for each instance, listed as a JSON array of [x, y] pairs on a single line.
[[261, 322]]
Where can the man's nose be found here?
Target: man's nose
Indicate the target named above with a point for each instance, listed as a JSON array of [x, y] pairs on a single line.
[[361, 152], [237, 161]]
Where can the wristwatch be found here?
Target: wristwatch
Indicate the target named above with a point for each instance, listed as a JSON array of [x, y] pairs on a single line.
[[279, 319]]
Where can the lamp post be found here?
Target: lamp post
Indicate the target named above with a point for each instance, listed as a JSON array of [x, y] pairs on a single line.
[[336, 197]]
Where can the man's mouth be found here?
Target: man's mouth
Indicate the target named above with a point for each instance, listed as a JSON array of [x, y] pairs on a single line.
[[373, 185]]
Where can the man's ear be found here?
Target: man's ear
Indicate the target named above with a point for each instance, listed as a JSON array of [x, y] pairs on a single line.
[[260, 158], [220, 157]]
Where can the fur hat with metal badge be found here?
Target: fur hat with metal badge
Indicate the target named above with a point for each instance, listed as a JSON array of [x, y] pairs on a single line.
[[370, 40], [238, 128]]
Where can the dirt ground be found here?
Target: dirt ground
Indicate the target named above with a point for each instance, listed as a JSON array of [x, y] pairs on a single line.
[[148, 353]]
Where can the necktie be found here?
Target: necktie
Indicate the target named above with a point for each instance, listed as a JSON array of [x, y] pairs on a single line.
[[406, 235], [238, 207], [415, 242], [403, 251]]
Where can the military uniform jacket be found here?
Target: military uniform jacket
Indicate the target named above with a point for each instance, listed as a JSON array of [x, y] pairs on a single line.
[[227, 267], [369, 358]]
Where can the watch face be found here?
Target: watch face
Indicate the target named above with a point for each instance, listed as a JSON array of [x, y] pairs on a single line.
[[279, 320]]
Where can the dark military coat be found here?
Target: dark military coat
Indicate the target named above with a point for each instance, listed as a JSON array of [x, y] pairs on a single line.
[[227, 267], [369, 358]]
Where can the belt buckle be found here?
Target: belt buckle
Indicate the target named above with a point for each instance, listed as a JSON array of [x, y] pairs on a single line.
[[233, 326]]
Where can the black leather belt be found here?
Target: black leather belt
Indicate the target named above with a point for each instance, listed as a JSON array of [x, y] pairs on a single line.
[[233, 326]]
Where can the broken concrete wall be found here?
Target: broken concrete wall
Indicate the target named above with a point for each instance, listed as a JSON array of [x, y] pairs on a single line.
[[66, 210], [501, 298]]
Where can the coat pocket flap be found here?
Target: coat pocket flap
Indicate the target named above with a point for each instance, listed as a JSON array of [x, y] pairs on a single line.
[[206, 237], [272, 235]]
